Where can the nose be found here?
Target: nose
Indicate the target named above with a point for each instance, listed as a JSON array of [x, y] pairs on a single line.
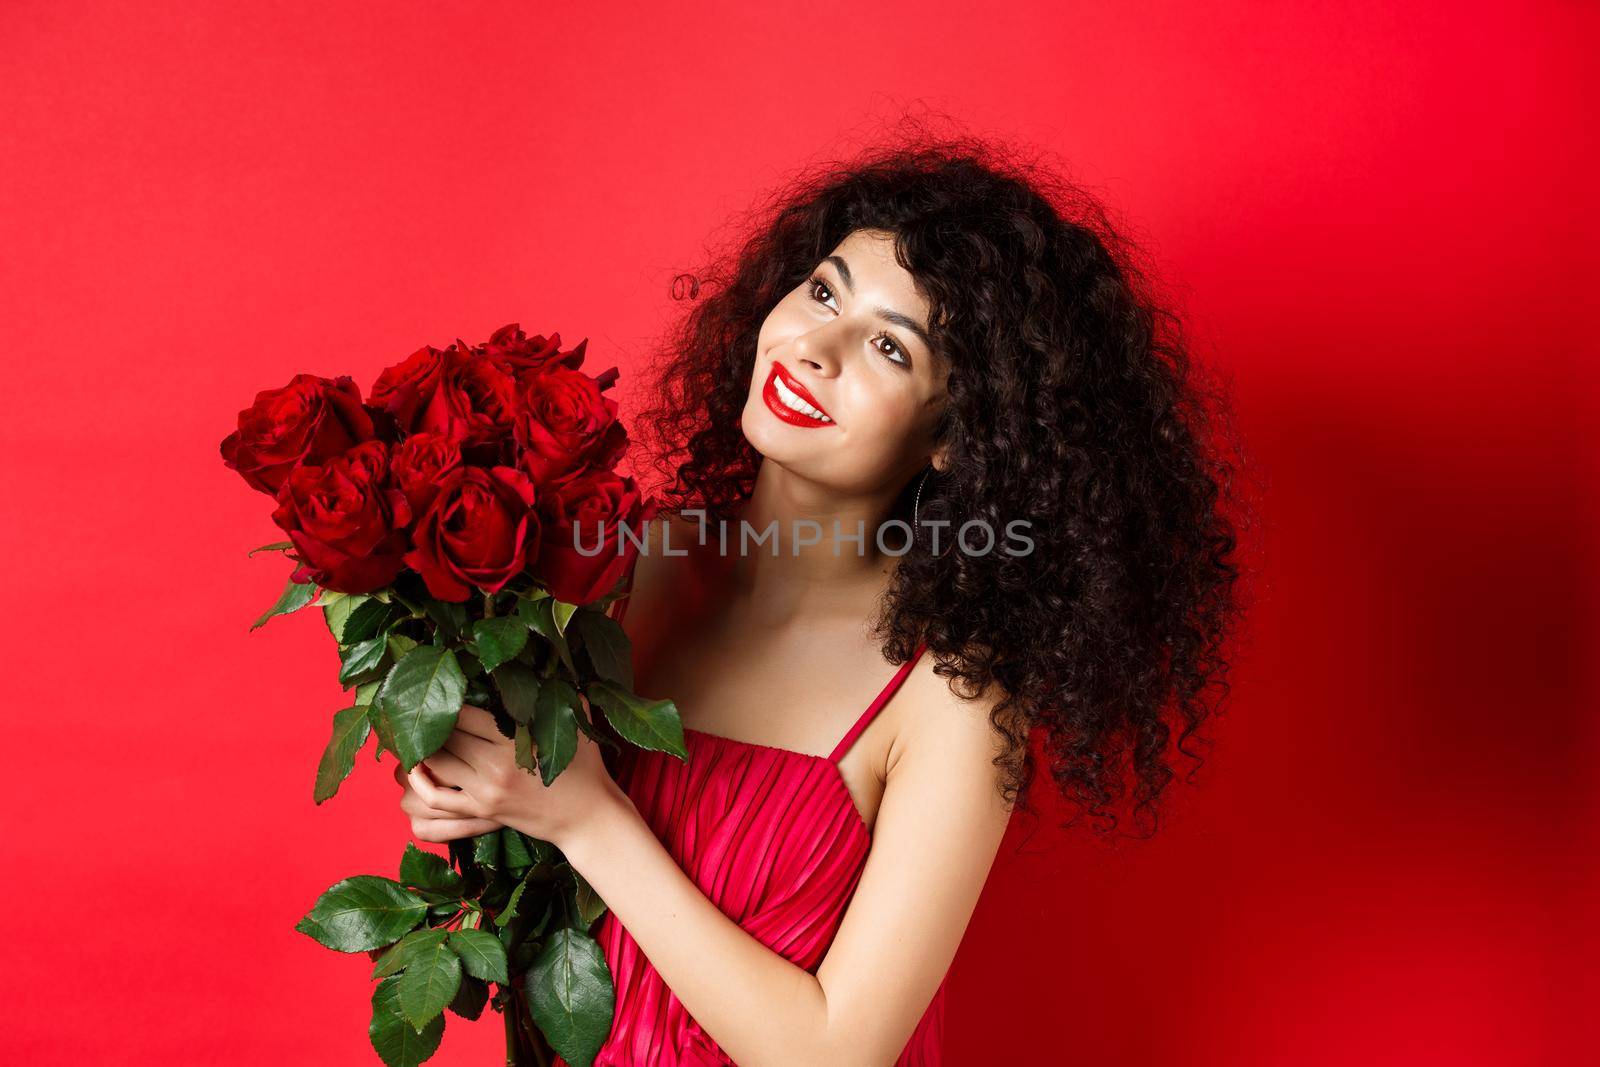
[[817, 350]]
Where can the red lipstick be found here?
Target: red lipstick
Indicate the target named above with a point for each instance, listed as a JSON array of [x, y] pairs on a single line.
[[774, 397]]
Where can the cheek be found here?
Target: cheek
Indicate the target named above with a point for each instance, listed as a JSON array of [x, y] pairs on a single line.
[[784, 320], [883, 427]]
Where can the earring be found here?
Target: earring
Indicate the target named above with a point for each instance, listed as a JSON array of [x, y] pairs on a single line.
[[916, 505]]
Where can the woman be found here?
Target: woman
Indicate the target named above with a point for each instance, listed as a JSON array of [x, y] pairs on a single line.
[[929, 338]]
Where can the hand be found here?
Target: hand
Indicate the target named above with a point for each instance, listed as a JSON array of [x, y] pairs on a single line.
[[431, 824], [474, 777]]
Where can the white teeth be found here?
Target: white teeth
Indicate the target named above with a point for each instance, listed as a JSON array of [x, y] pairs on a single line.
[[792, 401]]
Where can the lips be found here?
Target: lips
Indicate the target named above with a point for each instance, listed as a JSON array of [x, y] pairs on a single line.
[[779, 370], [772, 395]]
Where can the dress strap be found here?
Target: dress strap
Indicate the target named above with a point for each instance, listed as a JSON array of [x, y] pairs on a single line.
[[877, 705]]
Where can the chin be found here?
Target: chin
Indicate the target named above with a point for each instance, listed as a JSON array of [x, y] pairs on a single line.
[[760, 429]]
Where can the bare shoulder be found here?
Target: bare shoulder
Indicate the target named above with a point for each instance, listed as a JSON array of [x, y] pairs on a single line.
[[941, 727]]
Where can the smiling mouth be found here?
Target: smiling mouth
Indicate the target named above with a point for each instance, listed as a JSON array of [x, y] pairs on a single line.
[[790, 401]]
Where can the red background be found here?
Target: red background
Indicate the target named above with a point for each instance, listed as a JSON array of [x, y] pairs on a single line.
[[1377, 221]]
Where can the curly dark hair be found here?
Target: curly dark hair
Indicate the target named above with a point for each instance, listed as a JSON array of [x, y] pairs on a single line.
[[1073, 402]]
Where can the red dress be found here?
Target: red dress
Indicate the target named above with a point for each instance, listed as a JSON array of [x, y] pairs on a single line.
[[773, 837]]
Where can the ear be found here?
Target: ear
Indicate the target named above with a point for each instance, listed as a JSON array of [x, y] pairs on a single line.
[[939, 459]]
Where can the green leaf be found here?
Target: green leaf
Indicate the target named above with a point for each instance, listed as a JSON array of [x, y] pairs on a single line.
[[359, 661], [555, 728], [471, 665], [587, 717], [481, 954], [450, 617], [361, 913], [295, 596], [608, 646], [522, 749], [427, 870], [539, 615], [399, 957], [471, 997], [368, 618], [514, 848], [651, 724], [499, 640], [381, 727], [486, 849], [544, 919], [336, 609], [421, 698], [400, 644], [590, 906], [570, 995], [429, 983], [519, 690], [509, 912], [366, 694], [394, 1039], [562, 613], [276, 546], [350, 729]]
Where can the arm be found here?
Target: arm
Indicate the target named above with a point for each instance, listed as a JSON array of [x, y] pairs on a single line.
[[937, 831]]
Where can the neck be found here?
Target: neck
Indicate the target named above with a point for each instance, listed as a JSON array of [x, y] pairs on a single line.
[[823, 573]]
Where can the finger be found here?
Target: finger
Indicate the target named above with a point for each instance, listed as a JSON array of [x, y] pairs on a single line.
[[474, 720], [451, 829], [447, 800], [449, 769], [472, 749], [414, 806]]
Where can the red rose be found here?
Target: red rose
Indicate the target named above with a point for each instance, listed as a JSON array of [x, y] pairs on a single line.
[[566, 425], [479, 532], [474, 404], [309, 421], [403, 389], [420, 464], [583, 552], [345, 520], [519, 355], [455, 393]]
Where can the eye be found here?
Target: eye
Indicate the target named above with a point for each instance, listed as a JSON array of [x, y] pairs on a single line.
[[813, 283], [894, 352]]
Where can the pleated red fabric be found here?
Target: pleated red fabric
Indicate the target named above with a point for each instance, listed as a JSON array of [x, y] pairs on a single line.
[[774, 838]]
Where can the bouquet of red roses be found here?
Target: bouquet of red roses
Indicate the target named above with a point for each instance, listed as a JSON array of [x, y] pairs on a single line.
[[463, 531]]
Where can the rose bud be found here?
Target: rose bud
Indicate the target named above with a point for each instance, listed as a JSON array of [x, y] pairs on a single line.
[[478, 532], [308, 421], [346, 521], [583, 552], [565, 426]]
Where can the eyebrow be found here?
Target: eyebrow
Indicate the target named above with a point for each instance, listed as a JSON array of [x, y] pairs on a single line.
[[887, 314]]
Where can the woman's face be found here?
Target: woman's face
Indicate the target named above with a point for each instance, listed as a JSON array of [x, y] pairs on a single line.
[[851, 345]]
